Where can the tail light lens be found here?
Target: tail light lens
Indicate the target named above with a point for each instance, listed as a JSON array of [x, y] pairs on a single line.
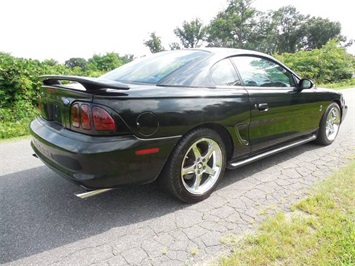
[[102, 119], [75, 117], [84, 118]]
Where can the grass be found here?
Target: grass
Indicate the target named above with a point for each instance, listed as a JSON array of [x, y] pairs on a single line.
[[319, 230], [14, 129], [339, 85]]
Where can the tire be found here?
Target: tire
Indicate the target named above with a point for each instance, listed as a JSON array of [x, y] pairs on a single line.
[[195, 166], [329, 125]]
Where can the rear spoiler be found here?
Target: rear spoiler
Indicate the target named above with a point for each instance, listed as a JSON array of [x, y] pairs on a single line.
[[90, 84]]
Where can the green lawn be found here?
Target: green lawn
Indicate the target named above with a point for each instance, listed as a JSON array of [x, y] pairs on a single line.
[[339, 85], [319, 230]]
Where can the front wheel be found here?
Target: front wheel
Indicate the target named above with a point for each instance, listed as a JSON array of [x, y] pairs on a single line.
[[195, 166], [329, 125]]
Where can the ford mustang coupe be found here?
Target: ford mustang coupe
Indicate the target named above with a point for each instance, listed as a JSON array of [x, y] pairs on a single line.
[[179, 117]]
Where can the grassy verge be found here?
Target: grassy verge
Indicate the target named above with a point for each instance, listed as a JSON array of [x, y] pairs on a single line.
[[339, 85], [320, 229], [14, 129]]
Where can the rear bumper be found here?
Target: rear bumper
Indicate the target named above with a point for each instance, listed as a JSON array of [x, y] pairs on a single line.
[[99, 162]]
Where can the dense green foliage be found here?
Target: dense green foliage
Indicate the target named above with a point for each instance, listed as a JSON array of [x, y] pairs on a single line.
[[329, 64]]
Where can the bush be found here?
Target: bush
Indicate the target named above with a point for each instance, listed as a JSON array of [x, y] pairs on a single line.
[[329, 64], [19, 77], [14, 120]]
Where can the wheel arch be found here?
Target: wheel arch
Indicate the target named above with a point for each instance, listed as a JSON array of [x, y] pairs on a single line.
[[223, 132], [337, 101], [219, 129]]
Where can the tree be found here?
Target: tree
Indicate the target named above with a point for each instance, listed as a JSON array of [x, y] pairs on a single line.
[[287, 23], [284, 30], [191, 34], [330, 63], [233, 26], [127, 58], [318, 31], [154, 43], [264, 36], [50, 62], [76, 62], [106, 62], [174, 46]]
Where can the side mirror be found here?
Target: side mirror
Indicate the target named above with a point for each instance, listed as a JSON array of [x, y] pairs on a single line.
[[305, 84]]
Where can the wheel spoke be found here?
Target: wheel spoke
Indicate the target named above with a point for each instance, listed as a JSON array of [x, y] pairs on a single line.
[[196, 151], [197, 182], [188, 170], [210, 171], [211, 149]]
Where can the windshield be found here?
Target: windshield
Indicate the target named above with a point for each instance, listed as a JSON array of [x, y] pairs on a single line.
[[153, 68]]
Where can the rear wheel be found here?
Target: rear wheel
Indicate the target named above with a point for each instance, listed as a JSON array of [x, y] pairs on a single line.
[[329, 125], [195, 166]]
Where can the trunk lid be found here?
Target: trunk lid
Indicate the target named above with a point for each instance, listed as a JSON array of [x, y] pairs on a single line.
[[56, 98], [55, 102]]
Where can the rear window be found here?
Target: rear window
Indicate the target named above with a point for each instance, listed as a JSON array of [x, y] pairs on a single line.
[[154, 68]]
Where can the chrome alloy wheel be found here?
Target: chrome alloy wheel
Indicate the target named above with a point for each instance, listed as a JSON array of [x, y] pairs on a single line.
[[332, 123], [201, 166]]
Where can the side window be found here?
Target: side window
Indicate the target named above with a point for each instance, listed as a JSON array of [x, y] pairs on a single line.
[[262, 72], [223, 73]]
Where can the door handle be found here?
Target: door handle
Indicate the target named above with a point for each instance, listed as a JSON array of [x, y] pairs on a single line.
[[263, 107]]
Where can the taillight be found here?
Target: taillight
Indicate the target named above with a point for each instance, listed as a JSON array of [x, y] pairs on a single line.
[[102, 119], [75, 117], [85, 116]]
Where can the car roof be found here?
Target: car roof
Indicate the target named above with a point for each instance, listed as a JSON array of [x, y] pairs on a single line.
[[229, 51]]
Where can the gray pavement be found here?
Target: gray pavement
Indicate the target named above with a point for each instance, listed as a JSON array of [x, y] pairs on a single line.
[[42, 223]]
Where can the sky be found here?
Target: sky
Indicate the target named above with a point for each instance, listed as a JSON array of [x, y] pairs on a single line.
[[61, 29]]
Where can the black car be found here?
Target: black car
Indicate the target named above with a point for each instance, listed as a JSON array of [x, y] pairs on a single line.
[[180, 117]]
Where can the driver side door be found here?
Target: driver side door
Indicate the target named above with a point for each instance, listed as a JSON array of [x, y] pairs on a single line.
[[279, 111]]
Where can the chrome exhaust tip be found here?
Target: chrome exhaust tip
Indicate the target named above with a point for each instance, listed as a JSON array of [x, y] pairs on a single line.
[[92, 193]]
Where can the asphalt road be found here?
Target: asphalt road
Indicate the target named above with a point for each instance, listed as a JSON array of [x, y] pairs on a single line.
[[43, 223]]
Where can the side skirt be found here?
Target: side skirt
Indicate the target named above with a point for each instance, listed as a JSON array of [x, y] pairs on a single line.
[[271, 152]]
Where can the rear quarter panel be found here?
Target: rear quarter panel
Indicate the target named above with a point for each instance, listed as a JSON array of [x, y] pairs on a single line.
[[180, 110]]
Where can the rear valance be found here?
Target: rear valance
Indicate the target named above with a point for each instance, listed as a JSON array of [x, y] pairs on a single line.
[[90, 84]]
